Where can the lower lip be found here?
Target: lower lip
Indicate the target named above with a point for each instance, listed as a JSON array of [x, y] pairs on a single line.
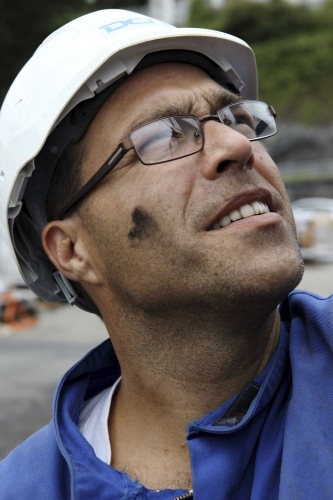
[[254, 221]]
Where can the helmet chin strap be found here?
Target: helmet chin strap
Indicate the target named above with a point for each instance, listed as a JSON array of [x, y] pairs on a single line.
[[65, 286]]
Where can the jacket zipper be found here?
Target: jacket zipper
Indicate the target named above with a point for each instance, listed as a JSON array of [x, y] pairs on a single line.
[[186, 496]]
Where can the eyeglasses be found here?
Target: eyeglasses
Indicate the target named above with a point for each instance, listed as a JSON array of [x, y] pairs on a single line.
[[174, 137]]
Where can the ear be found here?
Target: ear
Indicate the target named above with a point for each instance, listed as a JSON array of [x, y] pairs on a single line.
[[63, 244]]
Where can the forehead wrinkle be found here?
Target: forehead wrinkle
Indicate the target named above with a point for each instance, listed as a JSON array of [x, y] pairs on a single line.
[[183, 106], [186, 105]]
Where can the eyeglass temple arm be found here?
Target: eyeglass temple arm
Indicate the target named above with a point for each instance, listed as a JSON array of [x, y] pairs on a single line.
[[98, 176]]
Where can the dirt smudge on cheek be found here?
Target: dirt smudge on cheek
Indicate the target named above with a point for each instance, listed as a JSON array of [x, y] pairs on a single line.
[[144, 225]]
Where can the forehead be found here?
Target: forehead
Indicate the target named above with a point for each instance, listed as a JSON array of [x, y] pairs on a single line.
[[160, 90], [167, 79]]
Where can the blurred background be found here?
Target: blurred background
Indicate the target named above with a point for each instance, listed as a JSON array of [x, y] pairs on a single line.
[[293, 43]]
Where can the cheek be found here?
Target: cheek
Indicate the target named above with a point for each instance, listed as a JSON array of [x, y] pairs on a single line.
[[139, 217], [269, 171], [162, 191], [138, 207]]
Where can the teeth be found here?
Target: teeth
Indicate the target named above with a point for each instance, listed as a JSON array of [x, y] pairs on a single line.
[[235, 215], [263, 207], [255, 208], [225, 221], [246, 210]]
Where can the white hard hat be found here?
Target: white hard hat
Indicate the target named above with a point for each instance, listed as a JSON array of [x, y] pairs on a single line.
[[74, 64]]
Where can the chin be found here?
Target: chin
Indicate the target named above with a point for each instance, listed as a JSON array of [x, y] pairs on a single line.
[[277, 281], [267, 278]]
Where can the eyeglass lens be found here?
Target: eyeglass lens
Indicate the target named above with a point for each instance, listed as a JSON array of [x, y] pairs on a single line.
[[168, 139], [174, 137], [254, 119]]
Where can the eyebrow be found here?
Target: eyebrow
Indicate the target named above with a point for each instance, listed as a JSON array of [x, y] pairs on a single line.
[[216, 99]]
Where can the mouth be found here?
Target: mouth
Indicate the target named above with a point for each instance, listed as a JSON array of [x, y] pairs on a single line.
[[241, 208]]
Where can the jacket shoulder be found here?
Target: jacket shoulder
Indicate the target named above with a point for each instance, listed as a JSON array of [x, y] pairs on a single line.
[[309, 307], [35, 469]]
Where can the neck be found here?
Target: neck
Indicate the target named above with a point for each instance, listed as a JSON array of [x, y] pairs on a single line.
[[167, 360], [175, 372]]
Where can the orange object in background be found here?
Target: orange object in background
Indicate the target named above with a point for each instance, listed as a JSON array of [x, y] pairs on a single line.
[[14, 313]]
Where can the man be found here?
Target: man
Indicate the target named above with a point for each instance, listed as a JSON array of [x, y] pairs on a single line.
[[159, 209]]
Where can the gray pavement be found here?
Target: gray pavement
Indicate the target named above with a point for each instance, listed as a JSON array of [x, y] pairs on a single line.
[[31, 362], [318, 278]]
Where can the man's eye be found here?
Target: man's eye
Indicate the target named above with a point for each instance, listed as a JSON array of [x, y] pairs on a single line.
[[154, 139], [177, 135], [245, 119], [161, 139]]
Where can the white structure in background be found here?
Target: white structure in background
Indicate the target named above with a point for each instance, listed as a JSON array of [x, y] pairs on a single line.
[[216, 4], [170, 11]]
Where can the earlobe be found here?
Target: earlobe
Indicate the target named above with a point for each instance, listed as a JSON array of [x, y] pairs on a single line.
[[67, 252]]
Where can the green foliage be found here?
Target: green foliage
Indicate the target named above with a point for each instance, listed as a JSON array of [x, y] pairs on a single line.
[[295, 75], [325, 15], [293, 45], [202, 15], [256, 22]]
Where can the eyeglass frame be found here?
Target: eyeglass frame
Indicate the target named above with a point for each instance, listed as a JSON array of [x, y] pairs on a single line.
[[126, 145]]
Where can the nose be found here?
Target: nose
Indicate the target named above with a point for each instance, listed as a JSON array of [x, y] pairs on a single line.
[[225, 149]]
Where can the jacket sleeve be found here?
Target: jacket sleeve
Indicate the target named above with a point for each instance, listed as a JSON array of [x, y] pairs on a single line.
[[35, 470]]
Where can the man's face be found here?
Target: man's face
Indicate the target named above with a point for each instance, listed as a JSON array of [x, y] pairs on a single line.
[[150, 228]]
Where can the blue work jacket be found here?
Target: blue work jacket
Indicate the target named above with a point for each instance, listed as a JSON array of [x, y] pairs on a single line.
[[273, 440]]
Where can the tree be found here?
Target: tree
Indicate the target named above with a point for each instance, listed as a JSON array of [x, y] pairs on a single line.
[[295, 75], [293, 46], [256, 22]]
